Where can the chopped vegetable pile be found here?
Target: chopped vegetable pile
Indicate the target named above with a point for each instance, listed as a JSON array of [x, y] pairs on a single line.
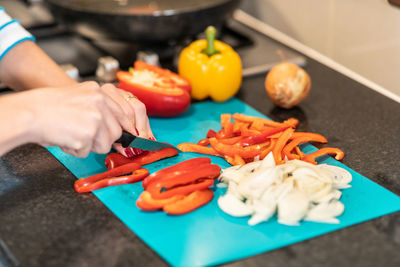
[[249, 138], [295, 190]]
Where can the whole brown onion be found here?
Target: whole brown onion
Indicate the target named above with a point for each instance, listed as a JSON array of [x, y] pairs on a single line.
[[287, 85]]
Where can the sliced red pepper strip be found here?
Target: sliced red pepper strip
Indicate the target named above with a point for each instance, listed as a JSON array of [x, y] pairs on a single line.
[[339, 154], [114, 160], [299, 140], [230, 141], [185, 166], [155, 189], [146, 202], [191, 202], [292, 122], [251, 119], [121, 170], [257, 125], [262, 137], [183, 183], [268, 149], [204, 142], [237, 126], [245, 131], [227, 125], [189, 147], [297, 134], [300, 153], [232, 150], [137, 176], [230, 160], [239, 160], [211, 133], [282, 140]]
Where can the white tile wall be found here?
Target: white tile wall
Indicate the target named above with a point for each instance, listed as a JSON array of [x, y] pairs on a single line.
[[363, 35]]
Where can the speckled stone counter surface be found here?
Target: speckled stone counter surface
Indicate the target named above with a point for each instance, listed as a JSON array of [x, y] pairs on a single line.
[[43, 222]]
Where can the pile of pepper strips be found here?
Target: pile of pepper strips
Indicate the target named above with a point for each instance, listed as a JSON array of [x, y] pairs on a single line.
[[249, 138], [184, 187]]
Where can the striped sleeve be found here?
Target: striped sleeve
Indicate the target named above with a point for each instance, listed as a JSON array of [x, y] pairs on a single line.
[[11, 33]]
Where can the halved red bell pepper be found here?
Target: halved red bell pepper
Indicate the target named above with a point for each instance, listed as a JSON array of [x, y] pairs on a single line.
[[180, 81], [136, 176], [158, 90], [114, 160], [189, 203]]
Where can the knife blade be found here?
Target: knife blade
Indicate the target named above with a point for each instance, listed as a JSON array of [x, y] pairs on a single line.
[[130, 140]]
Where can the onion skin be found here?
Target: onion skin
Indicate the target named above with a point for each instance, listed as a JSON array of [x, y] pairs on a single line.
[[287, 85]]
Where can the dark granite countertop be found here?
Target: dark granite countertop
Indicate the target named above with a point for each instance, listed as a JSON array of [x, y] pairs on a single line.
[[43, 222]]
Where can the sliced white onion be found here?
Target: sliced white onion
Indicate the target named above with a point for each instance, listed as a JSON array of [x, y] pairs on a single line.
[[293, 207], [233, 206], [295, 190], [325, 212]]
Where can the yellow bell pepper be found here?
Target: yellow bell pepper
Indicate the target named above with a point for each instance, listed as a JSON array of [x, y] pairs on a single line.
[[212, 67]]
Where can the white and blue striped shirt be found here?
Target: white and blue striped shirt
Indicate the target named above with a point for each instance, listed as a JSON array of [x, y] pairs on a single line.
[[11, 33]]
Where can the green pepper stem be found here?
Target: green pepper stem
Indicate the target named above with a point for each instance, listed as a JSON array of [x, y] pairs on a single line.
[[210, 50]]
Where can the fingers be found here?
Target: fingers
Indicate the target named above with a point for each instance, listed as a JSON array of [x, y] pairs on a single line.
[[141, 119], [121, 108]]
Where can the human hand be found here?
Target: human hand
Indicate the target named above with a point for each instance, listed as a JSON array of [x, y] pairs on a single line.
[[135, 111], [78, 118]]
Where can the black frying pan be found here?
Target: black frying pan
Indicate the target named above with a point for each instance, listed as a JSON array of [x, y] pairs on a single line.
[[141, 21]]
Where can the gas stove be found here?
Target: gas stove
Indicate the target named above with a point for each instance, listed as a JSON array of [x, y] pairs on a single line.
[[87, 59]]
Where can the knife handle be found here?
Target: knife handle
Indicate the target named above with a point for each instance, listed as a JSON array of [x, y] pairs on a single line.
[[125, 139]]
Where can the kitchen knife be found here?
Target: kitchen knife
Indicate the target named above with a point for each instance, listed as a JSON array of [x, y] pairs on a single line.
[[130, 140]]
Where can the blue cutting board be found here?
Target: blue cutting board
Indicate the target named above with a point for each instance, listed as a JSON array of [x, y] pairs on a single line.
[[208, 236]]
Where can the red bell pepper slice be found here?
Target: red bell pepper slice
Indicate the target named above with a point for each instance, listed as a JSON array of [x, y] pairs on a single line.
[[282, 140], [114, 160], [287, 150], [183, 183], [156, 189], [185, 166], [119, 171], [262, 137], [158, 90], [339, 154], [195, 148], [211, 133], [232, 150], [204, 142], [189, 203], [147, 203], [136, 176]]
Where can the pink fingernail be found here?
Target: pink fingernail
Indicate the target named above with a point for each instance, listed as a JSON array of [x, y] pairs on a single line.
[[129, 153], [137, 151]]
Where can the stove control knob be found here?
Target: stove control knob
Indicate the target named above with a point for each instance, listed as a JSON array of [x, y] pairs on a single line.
[[107, 68], [71, 71]]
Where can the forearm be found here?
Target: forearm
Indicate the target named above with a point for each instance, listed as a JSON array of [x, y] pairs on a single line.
[[16, 123], [26, 66]]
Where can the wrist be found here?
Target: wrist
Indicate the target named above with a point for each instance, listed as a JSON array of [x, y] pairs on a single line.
[[16, 121]]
